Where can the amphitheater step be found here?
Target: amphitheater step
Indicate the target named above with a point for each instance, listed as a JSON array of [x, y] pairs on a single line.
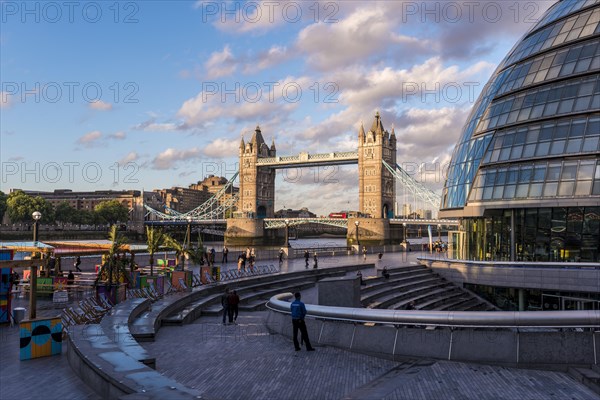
[[589, 377]]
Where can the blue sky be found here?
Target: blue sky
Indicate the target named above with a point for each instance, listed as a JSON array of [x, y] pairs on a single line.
[[162, 118]]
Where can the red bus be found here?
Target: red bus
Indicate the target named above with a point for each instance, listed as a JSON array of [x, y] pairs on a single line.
[[339, 215]]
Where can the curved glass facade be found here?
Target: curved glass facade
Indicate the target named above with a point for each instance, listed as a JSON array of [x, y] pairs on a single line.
[[532, 144]]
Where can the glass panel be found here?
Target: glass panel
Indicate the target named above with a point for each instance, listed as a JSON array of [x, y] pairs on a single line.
[[569, 171], [574, 145], [539, 173], [522, 190], [558, 147], [586, 170], [509, 191], [550, 189], [535, 190], [554, 172], [590, 144], [583, 188], [542, 149], [529, 151], [566, 188]]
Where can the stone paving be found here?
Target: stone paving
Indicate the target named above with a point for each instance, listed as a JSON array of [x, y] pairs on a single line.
[[40, 378], [244, 361]]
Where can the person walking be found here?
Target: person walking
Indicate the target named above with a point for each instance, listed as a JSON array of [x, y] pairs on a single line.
[[233, 301], [316, 261], [364, 252], [252, 259], [281, 256], [225, 304], [225, 252], [298, 310], [306, 257], [212, 257], [77, 264], [240, 262]]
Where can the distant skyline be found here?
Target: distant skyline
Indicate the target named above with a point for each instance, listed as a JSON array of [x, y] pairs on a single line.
[[149, 95]]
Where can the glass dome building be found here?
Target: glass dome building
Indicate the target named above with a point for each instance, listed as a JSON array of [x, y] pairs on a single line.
[[525, 175]]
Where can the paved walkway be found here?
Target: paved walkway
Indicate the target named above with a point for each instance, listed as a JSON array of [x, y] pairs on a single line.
[[246, 362]]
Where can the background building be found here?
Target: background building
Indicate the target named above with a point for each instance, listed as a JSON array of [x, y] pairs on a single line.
[[183, 199], [525, 175]]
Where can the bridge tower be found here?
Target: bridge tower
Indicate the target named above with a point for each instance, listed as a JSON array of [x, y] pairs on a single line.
[[257, 193], [377, 186]]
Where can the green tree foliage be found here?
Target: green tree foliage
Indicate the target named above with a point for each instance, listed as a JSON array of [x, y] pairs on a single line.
[[155, 238], [20, 206], [3, 198], [116, 267], [111, 212], [64, 213]]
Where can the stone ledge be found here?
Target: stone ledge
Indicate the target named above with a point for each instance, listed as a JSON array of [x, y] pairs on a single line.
[[100, 362]]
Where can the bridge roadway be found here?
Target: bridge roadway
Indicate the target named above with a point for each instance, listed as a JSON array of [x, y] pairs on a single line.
[[246, 362], [278, 223]]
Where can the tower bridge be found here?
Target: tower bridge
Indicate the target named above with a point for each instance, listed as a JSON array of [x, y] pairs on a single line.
[[254, 221]]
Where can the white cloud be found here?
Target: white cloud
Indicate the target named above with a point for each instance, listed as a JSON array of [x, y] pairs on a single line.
[[118, 135], [170, 157], [5, 99], [100, 105], [90, 139], [267, 59], [220, 64], [268, 102], [221, 148], [152, 126], [363, 33], [130, 157]]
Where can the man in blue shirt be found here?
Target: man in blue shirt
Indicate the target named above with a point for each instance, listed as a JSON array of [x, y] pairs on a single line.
[[298, 313]]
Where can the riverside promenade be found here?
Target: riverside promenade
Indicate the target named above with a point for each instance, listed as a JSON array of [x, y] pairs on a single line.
[[245, 361]]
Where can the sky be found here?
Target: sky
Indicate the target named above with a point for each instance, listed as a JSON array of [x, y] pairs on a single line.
[[153, 94]]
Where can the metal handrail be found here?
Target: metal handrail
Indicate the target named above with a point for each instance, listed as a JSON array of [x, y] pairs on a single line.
[[514, 264], [452, 319]]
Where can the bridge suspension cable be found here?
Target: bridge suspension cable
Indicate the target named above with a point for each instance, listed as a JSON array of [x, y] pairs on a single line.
[[420, 191], [210, 209]]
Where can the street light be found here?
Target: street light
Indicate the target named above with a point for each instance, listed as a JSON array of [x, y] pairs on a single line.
[[188, 238], [440, 232], [404, 226], [33, 269], [287, 232], [36, 218], [357, 241]]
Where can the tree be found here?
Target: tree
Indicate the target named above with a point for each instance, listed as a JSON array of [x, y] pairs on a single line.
[[180, 250], [154, 239], [112, 211], [3, 198], [64, 213], [117, 245], [20, 206]]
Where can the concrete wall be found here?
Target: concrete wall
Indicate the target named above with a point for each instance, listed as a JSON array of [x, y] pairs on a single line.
[[339, 292], [244, 232], [543, 348], [562, 277]]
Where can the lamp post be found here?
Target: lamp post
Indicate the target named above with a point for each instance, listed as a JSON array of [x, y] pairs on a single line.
[[440, 233], [187, 241], [404, 228], [33, 269], [287, 233], [357, 241]]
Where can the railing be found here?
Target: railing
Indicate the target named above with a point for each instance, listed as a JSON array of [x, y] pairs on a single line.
[[512, 264], [322, 251], [453, 319]]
